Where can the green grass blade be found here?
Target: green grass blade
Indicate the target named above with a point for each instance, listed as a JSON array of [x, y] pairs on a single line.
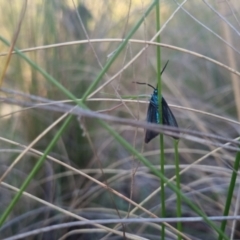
[[161, 138], [230, 192], [178, 184]]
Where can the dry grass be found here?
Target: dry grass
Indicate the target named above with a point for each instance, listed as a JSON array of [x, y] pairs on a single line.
[[88, 174]]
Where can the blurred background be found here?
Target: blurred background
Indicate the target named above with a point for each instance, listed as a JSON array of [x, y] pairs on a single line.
[[210, 28]]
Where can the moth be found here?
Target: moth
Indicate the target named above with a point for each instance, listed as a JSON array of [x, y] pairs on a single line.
[[153, 115]]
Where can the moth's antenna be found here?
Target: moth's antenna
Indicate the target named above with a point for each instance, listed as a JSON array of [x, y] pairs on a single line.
[[145, 84], [164, 67], [150, 84]]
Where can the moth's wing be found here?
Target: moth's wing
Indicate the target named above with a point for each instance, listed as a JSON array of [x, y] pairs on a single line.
[[152, 117], [168, 117]]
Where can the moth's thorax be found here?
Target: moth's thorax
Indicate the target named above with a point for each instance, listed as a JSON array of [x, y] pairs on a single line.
[[154, 101], [154, 97]]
